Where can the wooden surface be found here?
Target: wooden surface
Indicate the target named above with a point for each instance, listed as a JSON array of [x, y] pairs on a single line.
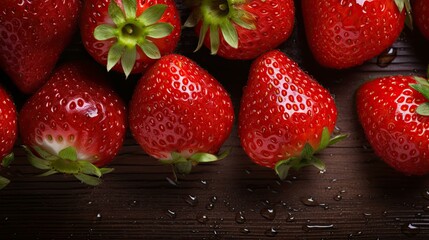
[[358, 197]]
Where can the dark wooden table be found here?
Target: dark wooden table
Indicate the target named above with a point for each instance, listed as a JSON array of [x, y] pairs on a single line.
[[358, 197]]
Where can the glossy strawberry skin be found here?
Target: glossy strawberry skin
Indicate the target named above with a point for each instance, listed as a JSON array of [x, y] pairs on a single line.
[[178, 107], [282, 109], [346, 33], [33, 34], [274, 25], [8, 124], [95, 13], [387, 111], [74, 109], [421, 16]]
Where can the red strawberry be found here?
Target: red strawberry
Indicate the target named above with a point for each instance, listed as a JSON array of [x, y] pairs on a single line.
[[73, 124], [242, 29], [346, 33], [32, 36], [421, 16], [8, 130], [285, 115], [180, 114], [394, 113], [129, 35]]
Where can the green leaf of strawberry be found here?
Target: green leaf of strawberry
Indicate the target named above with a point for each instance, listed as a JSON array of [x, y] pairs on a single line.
[[139, 35]]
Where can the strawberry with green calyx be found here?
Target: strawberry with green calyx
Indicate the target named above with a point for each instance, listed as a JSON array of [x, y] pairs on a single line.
[[180, 114], [346, 33], [8, 132], [129, 35], [74, 124], [241, 29], [394, 114], [285, 115]]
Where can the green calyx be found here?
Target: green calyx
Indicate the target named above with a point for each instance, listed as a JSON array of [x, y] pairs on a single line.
[[66, 162], [184, 165], [422, 86], [405, 4], [220, 17], [5, 162], [131, 31], [307, 157]]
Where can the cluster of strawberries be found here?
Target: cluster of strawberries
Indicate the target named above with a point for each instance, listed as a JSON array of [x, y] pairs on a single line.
[[74, 123]]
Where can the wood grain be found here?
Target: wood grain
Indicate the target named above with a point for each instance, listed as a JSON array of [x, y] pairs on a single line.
[[358, 197]]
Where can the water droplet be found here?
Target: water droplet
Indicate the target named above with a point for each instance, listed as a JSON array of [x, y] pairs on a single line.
[[337, 130], [171, 214], [322, 171], [338, 197], [6, 219], [209, 206], [171, 181], [202, 219], [191, 200], [239, 217], [308, 227], [309, 201], [247, 171], [268, 213], [290, 217], [425, 194], [410, 229], [213, 199], [271, 232], [387, 57], [204, 182], [98, 217], [426, 209], [89, 203], [245, 230]]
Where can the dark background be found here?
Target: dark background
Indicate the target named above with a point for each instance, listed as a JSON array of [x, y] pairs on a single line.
[[358, 197]]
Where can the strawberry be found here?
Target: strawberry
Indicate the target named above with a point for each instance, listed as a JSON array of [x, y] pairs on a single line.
[[346, 33], [394, 113], [129, 35], [421, 16], [285, 115], [33, 34], [180, 114], [242, 29], [8, 130], [73, 124]]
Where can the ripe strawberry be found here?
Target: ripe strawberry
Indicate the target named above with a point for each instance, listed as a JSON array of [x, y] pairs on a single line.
[[242, 29], [346, 33], [73, 124], [8, 130], [421, 16], [394, 113], [129, 35], [285, 115], [180, 114], [32, 36]]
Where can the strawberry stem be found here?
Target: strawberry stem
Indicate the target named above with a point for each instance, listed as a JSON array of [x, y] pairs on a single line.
[[66, 162], [131, 31], [3, 182], [307, 158], [183, 165], [220, 16]]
